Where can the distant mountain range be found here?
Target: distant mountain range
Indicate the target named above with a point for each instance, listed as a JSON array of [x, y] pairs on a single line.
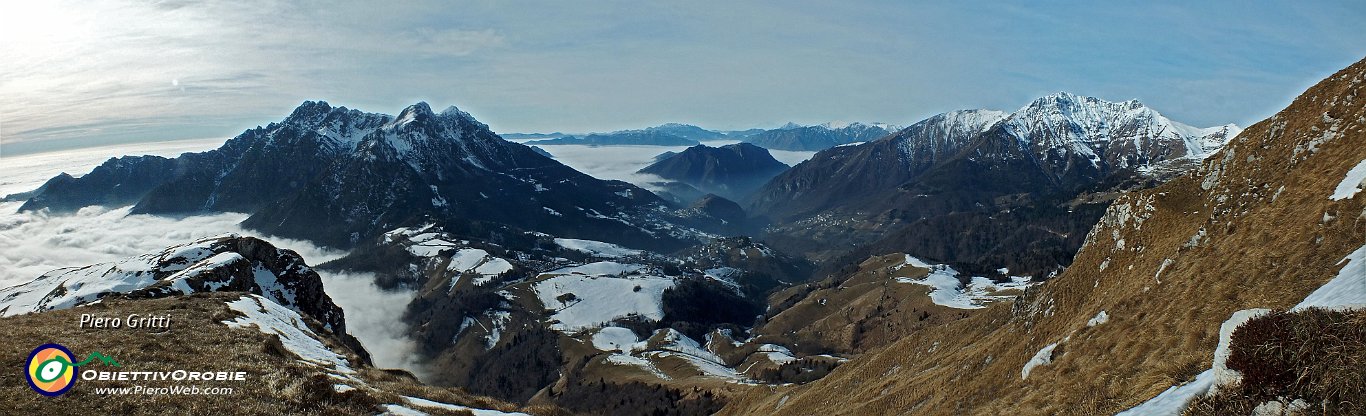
[[626, 137], [787, 137], [669, 134], [819, 137]]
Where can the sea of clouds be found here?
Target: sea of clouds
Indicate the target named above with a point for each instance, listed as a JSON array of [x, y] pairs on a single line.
[[33, 243]]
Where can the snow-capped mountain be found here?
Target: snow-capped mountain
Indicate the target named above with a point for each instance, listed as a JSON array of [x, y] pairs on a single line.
[[840, 124], [1068, 133], [824, 136], [1016, 174], [337, 176], [687, 131], [1184, 299]]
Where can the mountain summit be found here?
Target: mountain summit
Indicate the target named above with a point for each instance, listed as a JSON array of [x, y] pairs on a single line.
[[1017, 178], [732, 171], [1071, 133], [336, 176]]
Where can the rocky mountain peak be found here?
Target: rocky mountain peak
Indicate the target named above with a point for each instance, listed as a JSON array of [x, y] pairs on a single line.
[[414, 112], [309, 109], [1081, 135]]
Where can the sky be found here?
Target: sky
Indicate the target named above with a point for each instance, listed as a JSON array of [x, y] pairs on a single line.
[[79, 74]]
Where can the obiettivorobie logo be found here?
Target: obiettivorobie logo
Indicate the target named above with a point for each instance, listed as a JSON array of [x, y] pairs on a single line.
[[51, 369]]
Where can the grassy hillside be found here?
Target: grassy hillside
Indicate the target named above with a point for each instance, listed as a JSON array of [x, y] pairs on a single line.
[[1254, 227]]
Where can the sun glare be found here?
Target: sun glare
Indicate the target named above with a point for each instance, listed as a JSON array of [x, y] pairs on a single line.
[[42, 30]]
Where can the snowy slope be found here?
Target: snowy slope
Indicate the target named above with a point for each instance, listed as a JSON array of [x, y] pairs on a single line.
[[224, 263], [271, 318], [588, 296], [1123, 134], [947, 290]]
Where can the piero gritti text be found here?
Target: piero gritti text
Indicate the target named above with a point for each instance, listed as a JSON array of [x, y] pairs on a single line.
[[132, 321]]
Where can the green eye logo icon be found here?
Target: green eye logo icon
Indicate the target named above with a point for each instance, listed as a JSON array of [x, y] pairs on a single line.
[[50, 370]]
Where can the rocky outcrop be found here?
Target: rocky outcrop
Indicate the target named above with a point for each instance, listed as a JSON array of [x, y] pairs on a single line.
[[228, 263]]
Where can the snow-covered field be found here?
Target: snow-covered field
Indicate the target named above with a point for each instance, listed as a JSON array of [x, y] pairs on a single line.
[[946, 290], [596, 248], [591, 295]]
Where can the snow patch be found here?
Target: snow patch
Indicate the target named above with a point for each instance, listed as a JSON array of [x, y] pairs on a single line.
[[600, 268], [643, 364], [1224, 376], [1346, 291], [1351, 184], [1099, 319], [595, 297], [675, 344], [1043, 357], [271, 318], [1173, 401], [946, 290], [778, 354], [596, 248], [616, 339]]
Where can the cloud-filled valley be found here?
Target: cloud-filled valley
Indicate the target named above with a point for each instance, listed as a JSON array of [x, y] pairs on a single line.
[[33, 243]]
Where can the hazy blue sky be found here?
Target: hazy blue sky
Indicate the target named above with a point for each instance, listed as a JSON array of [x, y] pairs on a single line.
[[95, 73]]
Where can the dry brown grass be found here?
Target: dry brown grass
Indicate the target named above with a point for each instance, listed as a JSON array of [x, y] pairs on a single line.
[[278, 383], [1259, 252], [1312, 355], [866, 310]]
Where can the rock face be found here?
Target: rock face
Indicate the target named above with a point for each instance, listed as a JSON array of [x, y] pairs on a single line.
[[336, 176], [732, 171], [229, 263], [971, 187], [1272, 220], [819, 137]]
